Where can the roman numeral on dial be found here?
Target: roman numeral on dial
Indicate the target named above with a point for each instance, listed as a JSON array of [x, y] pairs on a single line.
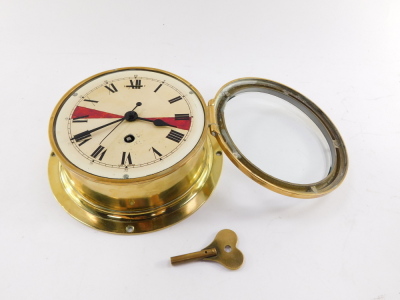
[[156, 152], [182, 117], [175, 99], [137, 85], [155, 91], [126, 158], [98, 151], [83, 142], [111, 88], [175, 136], [81, 136], [77, 119]]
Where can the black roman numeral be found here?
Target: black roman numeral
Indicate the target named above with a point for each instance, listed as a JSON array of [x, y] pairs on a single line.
[[156, 152], [182, 117], [84, 141], [137, 85], [175, 136], [76, 120], [88, 100], [126, 158], [98, 151], [175, 99], [81, 136], [155, 91], [111, 88]]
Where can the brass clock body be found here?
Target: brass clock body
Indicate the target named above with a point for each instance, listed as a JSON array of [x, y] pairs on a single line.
[[129, 204], [137, 149]]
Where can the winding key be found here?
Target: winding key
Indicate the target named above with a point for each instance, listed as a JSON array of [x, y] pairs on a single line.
[[222, 250]]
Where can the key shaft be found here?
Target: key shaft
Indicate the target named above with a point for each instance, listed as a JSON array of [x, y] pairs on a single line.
[[193, 256]]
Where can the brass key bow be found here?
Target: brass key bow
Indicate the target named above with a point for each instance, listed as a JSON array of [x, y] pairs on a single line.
[[222, 250]]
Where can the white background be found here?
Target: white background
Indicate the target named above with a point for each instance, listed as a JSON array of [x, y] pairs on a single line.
[[344, 55]]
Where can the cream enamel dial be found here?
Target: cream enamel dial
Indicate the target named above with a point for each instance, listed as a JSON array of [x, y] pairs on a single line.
[[129, 123]]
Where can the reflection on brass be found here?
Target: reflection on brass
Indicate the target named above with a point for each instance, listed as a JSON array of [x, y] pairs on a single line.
[[218, 129], [142, 207], [222, 250]]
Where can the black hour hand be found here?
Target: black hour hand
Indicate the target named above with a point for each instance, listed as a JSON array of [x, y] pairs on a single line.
[[157, 122]]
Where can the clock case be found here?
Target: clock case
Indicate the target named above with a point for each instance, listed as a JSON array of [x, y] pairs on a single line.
[[132, 206]]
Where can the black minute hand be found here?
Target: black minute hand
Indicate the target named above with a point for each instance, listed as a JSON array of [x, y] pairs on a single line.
[[87, 133]]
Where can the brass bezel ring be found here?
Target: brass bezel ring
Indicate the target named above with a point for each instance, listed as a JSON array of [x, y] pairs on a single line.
[[337, 148]]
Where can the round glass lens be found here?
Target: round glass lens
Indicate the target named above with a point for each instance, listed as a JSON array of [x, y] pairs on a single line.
[[278, 138]]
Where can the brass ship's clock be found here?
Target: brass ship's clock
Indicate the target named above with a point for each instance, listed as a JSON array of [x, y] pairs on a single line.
[[137, 149]]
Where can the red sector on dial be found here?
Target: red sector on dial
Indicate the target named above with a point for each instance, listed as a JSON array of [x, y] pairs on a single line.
[[181, 124], [89, 113], [181, 121]]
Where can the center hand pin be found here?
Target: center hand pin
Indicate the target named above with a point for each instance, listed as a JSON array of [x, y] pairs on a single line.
[[222, 250]]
